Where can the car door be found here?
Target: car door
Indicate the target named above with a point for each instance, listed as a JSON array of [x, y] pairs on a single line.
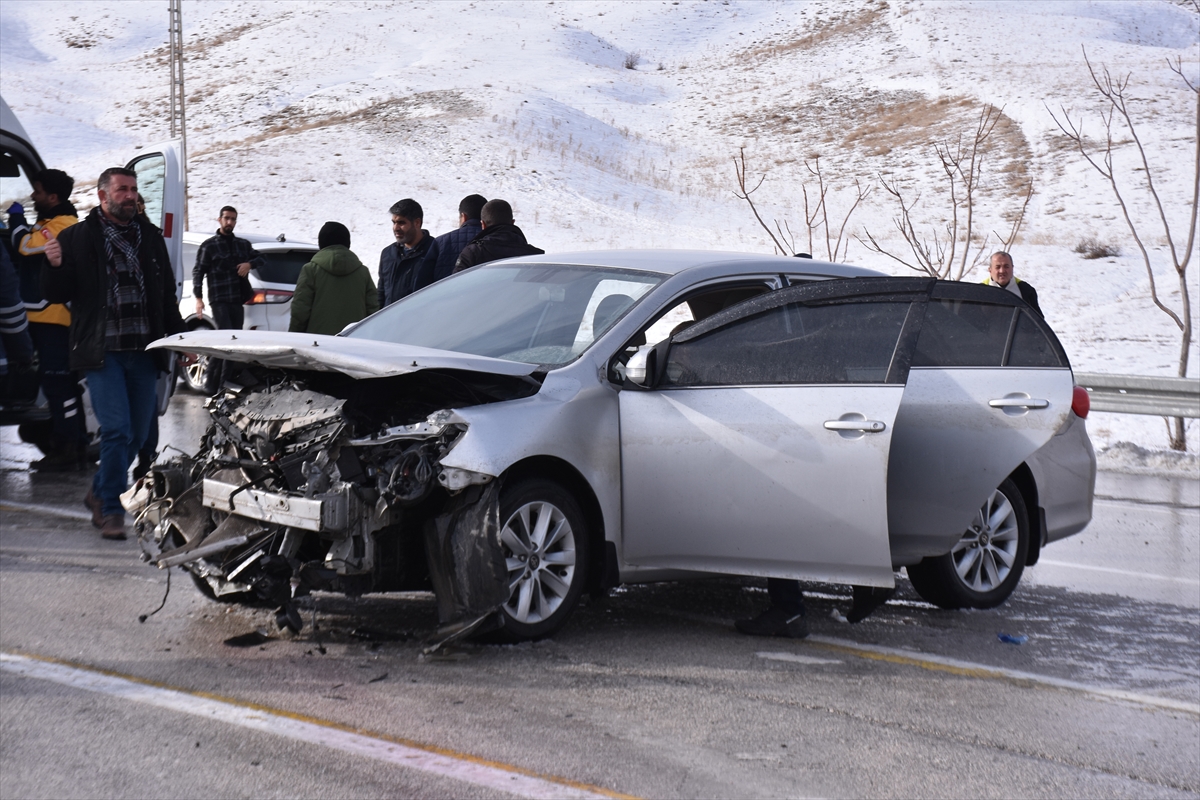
[[161, 185], [762, 447], [989, 385]]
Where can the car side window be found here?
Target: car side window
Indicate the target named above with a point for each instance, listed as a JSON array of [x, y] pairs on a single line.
[[1031, 347], [962, 333], [846, 342]]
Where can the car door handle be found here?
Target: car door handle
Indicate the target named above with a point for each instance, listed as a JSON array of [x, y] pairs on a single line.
[[865, 425], [1018, 402]]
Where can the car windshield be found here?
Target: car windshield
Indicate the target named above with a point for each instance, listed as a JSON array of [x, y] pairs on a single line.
[[545, 314]]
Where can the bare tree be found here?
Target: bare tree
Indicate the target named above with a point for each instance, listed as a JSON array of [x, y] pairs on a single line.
[[816, 211], [937, 253], [1115, 111]]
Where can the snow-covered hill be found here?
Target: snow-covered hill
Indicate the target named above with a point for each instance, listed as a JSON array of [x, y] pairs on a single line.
[[302, 112]]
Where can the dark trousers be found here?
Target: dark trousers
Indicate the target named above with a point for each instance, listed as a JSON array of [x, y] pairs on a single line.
[[53, 343], [785, 593], [228, 316], [124, 397]]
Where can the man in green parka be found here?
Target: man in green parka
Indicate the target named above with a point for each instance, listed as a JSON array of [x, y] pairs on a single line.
[[334, 289]]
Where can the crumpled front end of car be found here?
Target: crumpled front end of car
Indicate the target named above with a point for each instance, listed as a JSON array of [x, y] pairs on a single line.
[[319, 483]]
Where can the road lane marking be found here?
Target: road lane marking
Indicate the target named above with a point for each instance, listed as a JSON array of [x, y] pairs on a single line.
[[57, 511], [972, 670], [796, 658], [1147, 575], [380, 747]]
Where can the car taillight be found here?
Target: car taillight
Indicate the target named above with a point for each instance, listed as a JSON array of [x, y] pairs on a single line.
[[268, 296], [1081, 402]]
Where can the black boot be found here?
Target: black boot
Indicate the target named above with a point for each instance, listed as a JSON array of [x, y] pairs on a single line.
[[866, 600], [775, 622]]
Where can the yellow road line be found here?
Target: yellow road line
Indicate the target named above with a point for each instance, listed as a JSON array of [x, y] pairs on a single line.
[[371, 744]]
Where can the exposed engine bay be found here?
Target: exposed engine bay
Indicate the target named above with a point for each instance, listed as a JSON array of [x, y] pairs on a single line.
[[311, 481]]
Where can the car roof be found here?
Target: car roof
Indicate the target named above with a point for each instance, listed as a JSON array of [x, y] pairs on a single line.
[[673, 262], [256, 239]]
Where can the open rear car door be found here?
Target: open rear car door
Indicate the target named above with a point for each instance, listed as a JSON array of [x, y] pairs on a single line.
[[161, 185]]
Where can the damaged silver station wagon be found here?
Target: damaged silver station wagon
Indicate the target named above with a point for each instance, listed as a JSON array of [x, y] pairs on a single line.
[[531, 429]]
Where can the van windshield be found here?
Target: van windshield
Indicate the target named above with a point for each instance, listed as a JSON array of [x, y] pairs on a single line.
[[544, 314]]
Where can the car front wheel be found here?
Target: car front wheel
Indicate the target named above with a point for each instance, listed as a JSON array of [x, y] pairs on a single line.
[[545, 544], [194, 368], [986, 564]]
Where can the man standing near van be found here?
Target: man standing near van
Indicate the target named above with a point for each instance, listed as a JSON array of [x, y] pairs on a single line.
[[115, 272], [49, 322], [226, 260]]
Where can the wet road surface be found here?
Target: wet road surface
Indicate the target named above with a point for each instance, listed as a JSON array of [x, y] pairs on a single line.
[[647, 692]]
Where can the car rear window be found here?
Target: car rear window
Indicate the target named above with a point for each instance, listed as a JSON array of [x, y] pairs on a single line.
[[961, 333], [794, 344], [1031, 347], [284, 266]]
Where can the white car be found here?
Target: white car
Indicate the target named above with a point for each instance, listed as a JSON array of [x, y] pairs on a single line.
[[269, 310]]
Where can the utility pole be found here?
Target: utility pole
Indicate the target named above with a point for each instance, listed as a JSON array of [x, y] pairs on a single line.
[[178, 117]]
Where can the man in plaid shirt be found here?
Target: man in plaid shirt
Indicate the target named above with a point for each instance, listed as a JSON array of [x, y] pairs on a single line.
[[115, 271], [226, 260]]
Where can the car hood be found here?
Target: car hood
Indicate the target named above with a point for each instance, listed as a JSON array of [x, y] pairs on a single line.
[[357, 358]]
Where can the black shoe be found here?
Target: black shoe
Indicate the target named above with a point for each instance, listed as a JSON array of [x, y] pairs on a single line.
[[866, 600], [775, 622], [58, 461]]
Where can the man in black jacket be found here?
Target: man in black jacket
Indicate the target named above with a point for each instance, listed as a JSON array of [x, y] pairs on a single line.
[[115, 272], [402, 268], [449, 246], [1000, 275], [225, 260], [500, 238]]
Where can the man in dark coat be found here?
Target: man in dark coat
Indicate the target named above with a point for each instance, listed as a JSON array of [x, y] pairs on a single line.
[[402, 264], [115, 272], [447, 247], [1000, 275], [500, 238], [225, 260]]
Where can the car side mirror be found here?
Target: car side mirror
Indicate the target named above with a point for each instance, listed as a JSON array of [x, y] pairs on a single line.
[[638, 368]]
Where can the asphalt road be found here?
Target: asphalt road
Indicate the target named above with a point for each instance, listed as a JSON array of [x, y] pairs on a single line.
[[647, 692]]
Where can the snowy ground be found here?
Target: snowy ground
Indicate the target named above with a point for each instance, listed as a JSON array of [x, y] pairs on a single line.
[[303, 112]]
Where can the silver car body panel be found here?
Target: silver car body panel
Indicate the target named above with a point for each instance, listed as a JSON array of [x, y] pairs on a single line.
[[960, 432], [795, 500], [1064, 471], [357, 358]]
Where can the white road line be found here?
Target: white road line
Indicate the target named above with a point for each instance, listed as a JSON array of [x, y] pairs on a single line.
[[1147, 575], [456, 766], [972, 669], [796, 658], [57, 511]]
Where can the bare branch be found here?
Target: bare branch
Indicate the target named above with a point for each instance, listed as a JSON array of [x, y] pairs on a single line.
[[740, 170]]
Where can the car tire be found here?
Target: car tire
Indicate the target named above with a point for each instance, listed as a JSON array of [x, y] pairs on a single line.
[[547, 552], [196, 375], [986, 564]]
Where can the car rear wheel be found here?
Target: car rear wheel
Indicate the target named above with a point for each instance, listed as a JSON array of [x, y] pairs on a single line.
[[986, 564], [546, 553]]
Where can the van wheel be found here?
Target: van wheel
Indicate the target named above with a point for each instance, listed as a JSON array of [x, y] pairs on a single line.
[[546, 552], [986, 564]]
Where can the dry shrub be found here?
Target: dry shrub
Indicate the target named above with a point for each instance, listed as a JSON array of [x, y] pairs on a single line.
[[1090, 247]]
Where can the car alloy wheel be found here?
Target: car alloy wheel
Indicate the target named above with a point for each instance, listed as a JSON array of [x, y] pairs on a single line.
[[195, 373], [986, 564], [984, 557], [544, 540]]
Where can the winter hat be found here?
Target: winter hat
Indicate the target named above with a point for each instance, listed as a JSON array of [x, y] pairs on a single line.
[[333, 233]]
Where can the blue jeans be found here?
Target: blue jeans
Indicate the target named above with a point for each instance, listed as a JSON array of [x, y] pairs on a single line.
[[124, 399]]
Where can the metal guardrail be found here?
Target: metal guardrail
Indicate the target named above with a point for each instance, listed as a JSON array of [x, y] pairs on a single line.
[[1138, 394]]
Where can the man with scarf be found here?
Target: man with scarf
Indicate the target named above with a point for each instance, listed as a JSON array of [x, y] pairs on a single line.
[[48, 322], [115, 271]]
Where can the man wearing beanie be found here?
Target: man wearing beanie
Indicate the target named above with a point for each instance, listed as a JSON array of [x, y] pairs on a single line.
[[334, 289]]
